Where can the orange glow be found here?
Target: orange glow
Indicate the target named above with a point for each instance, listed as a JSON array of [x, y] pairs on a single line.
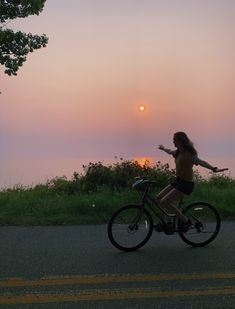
[[143, 161]]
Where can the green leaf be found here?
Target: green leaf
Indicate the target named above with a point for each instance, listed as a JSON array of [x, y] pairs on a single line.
[[14, 46]]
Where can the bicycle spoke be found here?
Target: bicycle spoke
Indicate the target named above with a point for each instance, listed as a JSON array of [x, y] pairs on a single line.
[[205, 224], [127, 233]]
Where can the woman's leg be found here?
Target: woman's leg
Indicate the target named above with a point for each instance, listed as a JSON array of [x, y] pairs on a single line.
[[164, 191], [160, 196], [170, 197]]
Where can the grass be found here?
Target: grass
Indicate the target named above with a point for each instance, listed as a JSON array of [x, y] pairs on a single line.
[[92, 197]]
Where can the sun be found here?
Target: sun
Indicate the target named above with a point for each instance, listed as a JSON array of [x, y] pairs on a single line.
[[141, 108], [144, 161]]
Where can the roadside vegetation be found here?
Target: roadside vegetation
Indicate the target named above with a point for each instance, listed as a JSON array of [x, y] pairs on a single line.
[[93, 195]]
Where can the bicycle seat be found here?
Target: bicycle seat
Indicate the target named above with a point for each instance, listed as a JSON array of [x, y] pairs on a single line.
[[140, 183]]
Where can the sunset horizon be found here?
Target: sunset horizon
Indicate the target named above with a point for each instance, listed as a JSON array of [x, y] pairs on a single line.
[[118, 79]]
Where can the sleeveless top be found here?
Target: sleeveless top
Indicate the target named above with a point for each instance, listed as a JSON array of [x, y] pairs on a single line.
[[184, 162]]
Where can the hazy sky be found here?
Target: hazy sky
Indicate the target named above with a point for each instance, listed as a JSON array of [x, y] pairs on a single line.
[[79, 96]]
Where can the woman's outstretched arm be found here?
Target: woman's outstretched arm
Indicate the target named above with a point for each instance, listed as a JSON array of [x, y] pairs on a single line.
[[214, 169], [169, 151]]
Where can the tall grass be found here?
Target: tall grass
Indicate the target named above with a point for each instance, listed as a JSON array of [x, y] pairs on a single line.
[[92, 196]]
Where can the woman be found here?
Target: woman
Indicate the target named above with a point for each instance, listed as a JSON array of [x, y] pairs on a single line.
[[185, 157]]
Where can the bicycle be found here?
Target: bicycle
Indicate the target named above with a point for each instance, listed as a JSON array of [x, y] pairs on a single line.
[[131, 226]]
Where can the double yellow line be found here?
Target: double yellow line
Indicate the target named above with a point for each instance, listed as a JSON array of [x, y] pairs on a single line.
[[112, 293]]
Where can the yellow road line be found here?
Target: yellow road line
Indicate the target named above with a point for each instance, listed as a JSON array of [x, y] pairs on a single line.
[[112, 294], [112, 278]]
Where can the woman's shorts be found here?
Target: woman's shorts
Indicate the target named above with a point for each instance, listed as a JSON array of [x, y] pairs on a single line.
[[182, 185]]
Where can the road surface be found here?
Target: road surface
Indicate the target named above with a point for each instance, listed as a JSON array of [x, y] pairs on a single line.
[[77, 267]]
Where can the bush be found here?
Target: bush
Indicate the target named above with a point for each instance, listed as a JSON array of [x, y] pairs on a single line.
[[120, 175], [221, 181], [93, 196]]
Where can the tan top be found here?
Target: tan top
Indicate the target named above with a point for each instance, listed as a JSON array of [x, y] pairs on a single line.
[[184, 165]]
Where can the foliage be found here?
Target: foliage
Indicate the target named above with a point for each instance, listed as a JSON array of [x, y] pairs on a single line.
[[221, 181], [120, 175], [15, 46], [92, 196], [11, 9]]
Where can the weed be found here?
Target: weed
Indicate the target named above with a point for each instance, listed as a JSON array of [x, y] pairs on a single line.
[[91, 197]]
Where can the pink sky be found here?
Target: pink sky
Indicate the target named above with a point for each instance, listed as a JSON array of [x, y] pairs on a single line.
[[79, 96]]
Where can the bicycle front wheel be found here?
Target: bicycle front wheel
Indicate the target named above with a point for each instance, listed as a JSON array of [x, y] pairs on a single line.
[[205, 224], [130, 228]]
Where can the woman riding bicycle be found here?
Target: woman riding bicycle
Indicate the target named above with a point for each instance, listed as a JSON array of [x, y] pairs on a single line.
[[185, 157]]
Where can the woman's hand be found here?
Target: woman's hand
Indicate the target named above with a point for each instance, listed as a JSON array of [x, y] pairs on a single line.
[[218, 170], [169, 151]]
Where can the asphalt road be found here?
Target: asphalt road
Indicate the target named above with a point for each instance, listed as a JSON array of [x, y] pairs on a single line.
[[77, 267]]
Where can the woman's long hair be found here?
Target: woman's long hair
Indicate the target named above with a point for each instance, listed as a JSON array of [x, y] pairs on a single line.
[[185, 142]]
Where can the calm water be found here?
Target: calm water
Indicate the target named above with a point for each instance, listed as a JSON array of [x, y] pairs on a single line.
[[32, 172]]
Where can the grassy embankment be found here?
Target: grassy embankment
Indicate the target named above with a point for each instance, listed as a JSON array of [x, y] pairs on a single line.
[[93, 196]]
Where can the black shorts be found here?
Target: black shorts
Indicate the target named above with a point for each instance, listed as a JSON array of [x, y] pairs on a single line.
[[182, 185]]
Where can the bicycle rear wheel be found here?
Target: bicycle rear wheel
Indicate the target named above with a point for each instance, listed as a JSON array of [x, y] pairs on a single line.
[[130, 228], [205, 224]]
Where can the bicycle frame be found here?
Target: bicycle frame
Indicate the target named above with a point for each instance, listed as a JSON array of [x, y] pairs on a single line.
[[153, 205], [133, 219]]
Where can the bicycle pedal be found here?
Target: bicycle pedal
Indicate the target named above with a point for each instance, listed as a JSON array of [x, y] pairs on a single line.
[[159, 227], [169, 229]]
